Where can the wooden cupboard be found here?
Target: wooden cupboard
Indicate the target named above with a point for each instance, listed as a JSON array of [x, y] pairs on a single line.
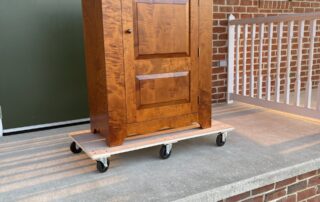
[[148, 65]]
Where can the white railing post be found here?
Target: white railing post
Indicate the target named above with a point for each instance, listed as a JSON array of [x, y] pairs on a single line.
[[313, 25], [231, 34], [1, 126]]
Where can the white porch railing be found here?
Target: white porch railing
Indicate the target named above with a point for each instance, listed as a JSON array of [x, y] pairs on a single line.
[[252, 91]]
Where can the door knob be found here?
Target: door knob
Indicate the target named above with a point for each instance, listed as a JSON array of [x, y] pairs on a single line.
[[129, 31]]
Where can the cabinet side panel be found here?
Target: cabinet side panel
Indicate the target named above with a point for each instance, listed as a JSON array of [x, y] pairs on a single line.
[[95, 65], [205, 58], [113, 44]]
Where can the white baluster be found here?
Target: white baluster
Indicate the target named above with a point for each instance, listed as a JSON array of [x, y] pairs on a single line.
[[313, 24], [253, 37], [260, 61], [269, 62], [288, 82], [298, 76], [238, 30], [280, 33], [244, 75]]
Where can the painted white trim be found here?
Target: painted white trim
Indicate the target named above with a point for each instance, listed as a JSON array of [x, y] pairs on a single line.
[[302, 111], [1, 125], [1, 128], [12, 130]]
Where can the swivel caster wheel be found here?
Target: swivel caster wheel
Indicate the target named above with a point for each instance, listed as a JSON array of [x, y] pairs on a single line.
[[165, 151], [74, 148], [103, 165], [221, 139]]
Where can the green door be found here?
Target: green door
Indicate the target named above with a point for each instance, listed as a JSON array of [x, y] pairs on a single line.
[[42, 71]]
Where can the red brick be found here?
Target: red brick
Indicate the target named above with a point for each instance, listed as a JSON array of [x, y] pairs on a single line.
[[285, 182], [218, 70], [297, 187], [218, 56], [252, 9], [275, 195], [226, 9], [291, 198], [306, 193], [314, 199], [246, 3], [218, 96], [223, 76], [219, 16], [219, 29], [240, 9], [233, 2], [218, 83], [238, 197], [314, 181], [307, 175], [255, 199], [263, 189], [219, 2]]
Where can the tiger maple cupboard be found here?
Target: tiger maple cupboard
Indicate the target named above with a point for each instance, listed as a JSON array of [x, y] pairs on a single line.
[[148, 65]]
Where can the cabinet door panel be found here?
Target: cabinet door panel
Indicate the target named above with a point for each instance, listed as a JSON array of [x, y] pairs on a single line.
[[162, 89], [162, 29], [161, 58]]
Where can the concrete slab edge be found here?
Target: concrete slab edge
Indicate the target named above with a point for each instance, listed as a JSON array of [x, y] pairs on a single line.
[[242, 186]]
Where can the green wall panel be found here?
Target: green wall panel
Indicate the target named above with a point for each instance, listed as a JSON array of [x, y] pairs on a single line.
[[42, 71]]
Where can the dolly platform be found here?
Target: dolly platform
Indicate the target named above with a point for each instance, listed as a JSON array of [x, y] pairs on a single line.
[[95, 147]]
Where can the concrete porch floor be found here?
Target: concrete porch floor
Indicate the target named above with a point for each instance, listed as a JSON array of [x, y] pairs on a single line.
[[266, 146]]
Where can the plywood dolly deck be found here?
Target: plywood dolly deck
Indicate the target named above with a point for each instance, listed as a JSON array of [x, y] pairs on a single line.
[[95, 147]]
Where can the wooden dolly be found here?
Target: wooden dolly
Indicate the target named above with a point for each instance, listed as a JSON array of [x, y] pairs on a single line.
[[95, 147]]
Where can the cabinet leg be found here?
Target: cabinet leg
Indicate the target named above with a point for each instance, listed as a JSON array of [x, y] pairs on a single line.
[[205, 124], [116, 136]]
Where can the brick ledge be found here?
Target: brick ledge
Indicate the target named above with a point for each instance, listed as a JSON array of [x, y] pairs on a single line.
[[255, 182]]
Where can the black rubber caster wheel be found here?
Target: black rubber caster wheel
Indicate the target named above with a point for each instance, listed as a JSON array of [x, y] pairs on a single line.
[[219, 140], [101, 167], [74, 148], [163, 152]]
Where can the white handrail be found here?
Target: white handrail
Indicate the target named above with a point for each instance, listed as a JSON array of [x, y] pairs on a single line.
[[276, 19]]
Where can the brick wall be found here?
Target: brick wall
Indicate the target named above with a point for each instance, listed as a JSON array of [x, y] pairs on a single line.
[[255, 8], [304, 187]]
